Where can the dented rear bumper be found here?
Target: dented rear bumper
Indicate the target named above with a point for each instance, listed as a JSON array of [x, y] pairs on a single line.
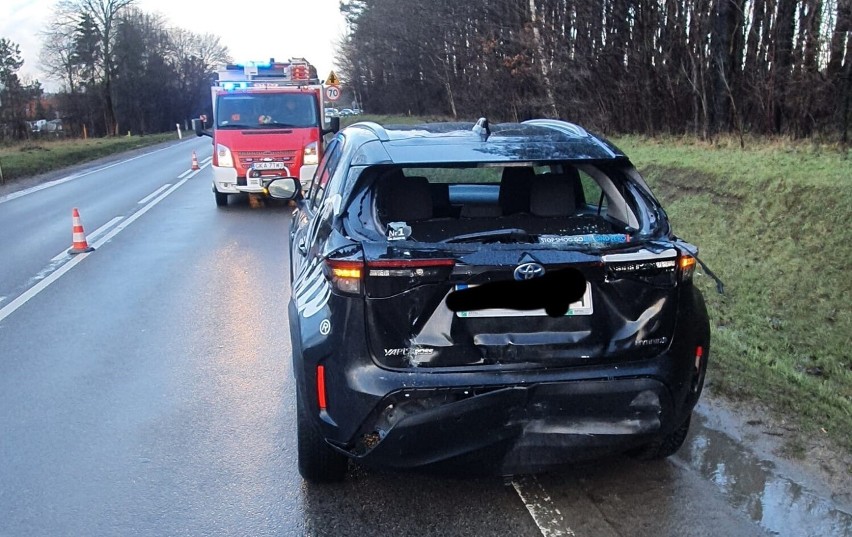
[[514, 429]]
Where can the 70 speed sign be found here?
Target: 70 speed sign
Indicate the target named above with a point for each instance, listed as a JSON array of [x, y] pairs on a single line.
[[332, 93]]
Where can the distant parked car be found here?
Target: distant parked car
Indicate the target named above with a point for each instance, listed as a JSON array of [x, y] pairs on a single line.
[[346, 112], [511, 296]]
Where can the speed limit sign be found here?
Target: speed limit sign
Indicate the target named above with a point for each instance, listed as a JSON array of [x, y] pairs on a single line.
[[332, 93]]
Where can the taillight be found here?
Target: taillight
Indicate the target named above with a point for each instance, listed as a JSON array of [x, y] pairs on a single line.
[[345, 276], [387, 277], [686, 267], [410, 263]]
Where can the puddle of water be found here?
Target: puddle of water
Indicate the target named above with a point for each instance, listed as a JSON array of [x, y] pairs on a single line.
[[753, 486]]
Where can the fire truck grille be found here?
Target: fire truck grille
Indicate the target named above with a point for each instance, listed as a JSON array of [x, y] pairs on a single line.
[[248, 157]]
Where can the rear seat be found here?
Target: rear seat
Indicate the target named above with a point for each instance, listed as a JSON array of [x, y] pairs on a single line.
[[536, 203]]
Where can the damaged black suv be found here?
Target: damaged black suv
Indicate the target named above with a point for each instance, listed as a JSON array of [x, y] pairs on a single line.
[[511, 295]]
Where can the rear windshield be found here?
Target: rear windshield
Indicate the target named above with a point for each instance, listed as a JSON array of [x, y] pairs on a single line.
[[566, 203], [264, 110]]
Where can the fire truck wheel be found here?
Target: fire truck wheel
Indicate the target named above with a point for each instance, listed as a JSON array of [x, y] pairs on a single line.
[[221, 199]]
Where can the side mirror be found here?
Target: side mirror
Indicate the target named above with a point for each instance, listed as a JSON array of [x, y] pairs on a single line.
[[335, 126], [198, 127], [284, 188]]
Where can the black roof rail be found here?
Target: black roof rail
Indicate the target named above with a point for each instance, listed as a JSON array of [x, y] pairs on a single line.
[[377, 129]]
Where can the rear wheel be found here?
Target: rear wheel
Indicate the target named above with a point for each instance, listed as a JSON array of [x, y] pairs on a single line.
[[663, 447], [318, 463], [221, 199]]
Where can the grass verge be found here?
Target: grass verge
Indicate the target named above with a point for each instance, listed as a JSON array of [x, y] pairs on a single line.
[[39, 156], [772, 222]]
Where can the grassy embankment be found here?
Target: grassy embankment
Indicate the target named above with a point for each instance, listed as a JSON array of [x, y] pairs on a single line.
[[774, 222], [39, 156]]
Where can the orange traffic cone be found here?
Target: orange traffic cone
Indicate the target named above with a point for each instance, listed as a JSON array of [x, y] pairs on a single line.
[[195, 162], [78, 236]]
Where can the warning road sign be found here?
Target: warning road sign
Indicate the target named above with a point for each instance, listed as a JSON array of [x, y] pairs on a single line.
[[332, 93], [332, 79]]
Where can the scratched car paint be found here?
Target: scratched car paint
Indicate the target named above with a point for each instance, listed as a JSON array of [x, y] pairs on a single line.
[[506, 298]]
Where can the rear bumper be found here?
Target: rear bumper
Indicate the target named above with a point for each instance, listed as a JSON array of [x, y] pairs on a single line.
[[514, 429]]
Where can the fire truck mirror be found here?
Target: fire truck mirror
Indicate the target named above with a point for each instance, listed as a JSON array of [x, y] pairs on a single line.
[[198, 127], [334, 126]]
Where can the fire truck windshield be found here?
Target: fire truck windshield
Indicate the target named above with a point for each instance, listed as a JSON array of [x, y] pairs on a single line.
[[264, 110]]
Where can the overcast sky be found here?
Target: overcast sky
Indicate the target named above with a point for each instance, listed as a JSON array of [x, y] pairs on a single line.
[[259, 30]]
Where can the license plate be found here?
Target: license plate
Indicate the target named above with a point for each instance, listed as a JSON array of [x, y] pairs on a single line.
[[253, 181], [581, 307], [268, 165]]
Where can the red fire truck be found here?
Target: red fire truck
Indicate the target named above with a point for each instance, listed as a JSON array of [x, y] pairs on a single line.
[[268, 122]]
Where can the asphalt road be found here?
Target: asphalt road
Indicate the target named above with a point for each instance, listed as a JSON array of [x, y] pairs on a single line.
[[145, 389]]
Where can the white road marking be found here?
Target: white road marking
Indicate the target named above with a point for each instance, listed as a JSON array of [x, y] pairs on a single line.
[[153, 194], [89, 238], [21, 193], [143, 210], [208, 159], [13, 306], [545, 515], [184, 174]]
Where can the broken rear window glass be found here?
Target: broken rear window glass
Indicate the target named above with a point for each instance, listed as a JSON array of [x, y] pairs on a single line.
[[551, 204]]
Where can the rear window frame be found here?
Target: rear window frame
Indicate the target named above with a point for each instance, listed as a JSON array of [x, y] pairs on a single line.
[[649, 214]]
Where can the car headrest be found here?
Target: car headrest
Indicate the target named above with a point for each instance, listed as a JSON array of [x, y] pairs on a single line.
[[553, 195], [515, 188], [404, 199]]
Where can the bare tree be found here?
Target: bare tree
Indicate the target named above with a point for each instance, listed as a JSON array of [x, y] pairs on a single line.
[[104, 14]]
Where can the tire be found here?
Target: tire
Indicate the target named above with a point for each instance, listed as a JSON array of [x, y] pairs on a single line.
[[221, 199], [663, 447], [318, 463]]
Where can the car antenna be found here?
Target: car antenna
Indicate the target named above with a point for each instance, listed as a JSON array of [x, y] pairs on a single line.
[[482, 129]]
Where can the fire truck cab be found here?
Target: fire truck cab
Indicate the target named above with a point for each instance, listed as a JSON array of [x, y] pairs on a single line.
[[268, 122]]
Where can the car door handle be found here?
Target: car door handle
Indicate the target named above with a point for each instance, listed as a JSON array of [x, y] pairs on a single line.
[[302, 248]]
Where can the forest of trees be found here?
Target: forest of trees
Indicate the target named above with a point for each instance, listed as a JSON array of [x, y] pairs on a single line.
[[120, 70], [777, 67], [647, 66]]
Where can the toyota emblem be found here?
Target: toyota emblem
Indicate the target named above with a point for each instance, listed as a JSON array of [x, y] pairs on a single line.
[[528, 271]]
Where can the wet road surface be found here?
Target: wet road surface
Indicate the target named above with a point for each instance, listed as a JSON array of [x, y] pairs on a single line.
[[148, 391]]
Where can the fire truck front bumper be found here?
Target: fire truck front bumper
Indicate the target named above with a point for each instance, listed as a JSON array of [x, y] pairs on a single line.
[[226, 180]]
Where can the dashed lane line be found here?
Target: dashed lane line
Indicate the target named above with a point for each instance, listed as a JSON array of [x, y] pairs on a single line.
[[22, 299], [153, 194], [544, 513]]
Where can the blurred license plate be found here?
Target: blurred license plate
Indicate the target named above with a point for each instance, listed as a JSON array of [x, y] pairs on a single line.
[[582, 307], [268, 166]]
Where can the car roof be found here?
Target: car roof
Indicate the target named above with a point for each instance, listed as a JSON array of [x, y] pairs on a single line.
[[459, 142]]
